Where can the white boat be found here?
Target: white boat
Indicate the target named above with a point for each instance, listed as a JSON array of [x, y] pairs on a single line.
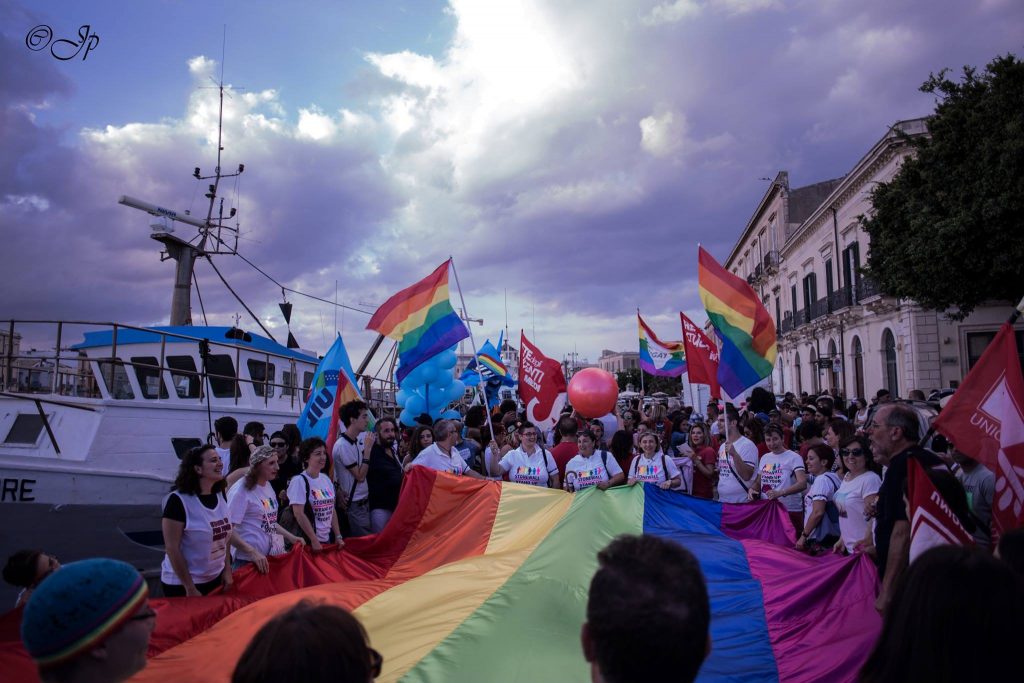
[[91, 435]]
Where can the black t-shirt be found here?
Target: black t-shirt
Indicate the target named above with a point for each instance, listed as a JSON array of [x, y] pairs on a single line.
[[383, 478], [175, 509], [289, 467], [891, 506]]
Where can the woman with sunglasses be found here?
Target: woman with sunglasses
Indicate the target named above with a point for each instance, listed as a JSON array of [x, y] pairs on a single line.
[[287, 466], [26, 569], [857, 493], [196, 527], [529, 464], [653, 466]]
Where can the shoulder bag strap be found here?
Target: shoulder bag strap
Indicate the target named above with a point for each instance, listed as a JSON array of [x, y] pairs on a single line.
[[728, 461]]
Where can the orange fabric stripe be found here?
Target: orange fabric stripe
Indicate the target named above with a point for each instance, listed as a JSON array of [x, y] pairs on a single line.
[[439, 539], [410, 299]]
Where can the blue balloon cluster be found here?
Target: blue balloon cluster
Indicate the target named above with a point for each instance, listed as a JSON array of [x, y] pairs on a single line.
[[429, 388]]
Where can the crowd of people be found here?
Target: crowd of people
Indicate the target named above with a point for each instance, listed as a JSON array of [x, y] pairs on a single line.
[[838, 471]]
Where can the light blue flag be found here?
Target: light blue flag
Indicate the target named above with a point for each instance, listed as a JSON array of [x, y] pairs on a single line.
[[315, 419]]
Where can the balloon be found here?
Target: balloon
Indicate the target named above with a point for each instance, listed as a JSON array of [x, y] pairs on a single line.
[[437, 398], [428, 373], [401, 397], [451, 415], [407, 418], [446, 360], [593, 392], [413, 379], [444, 379], [455, 390], [415, 405]]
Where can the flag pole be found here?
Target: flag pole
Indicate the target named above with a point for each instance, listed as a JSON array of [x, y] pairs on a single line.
[[1016, 312], [640, 367], [472, 342]]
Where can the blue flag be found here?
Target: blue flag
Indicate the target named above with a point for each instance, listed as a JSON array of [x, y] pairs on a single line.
[[315, 419]]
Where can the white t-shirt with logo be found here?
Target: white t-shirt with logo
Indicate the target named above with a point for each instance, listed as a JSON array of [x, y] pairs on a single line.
[[850, 501], [253, 512], [433, 457], [321, 498], [346, 454], [779, 472], [532, 469], [591, 470], [653, 469], [730, 490]]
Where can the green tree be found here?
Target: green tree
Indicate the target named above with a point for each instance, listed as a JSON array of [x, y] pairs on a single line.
[[948, 230], [652, 384]]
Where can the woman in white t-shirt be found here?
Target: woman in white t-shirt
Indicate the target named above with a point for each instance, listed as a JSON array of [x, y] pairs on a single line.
[[652, 465], [781, 474], [531, 463], [196, 527], [858, 491], [252, 509], [820, 530], [591, 467], [315, 514]]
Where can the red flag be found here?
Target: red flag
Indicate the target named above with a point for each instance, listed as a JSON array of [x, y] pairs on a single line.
[[701, 357], [932, 522], [985, 419], [542, 386]]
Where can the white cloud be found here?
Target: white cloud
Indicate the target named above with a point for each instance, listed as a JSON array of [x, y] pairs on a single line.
[[662, 134], [670, 13], [314, 125]]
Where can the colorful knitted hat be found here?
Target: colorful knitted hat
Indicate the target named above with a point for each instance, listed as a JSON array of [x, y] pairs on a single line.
[[78, 606]]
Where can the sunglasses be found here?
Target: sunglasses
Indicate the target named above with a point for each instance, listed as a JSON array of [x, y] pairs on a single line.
[[278, 444], [855, 452]]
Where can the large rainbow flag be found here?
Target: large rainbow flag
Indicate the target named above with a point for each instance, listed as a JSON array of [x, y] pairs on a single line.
[[483, 581], [421, 319], [746, 330], [663, 359]]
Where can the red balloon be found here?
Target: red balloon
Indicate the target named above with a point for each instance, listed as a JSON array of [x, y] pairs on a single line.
[[593, 392]]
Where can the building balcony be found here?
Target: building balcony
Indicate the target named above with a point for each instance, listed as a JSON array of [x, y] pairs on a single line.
[[818, 309], [841, 298], [867, 289]]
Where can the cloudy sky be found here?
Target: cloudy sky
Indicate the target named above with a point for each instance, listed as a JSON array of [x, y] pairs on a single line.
[[569, 154]]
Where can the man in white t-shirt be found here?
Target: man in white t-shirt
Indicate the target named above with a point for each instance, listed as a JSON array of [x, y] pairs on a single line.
[[225, 428], [442, 455], [531, 463], [737, 460], [351, 455]]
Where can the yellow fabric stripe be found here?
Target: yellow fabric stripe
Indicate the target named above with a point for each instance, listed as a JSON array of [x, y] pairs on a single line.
[[408, 621], [735, 318], [416, 319]]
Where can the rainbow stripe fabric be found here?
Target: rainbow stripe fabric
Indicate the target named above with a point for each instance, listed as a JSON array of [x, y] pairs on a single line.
[[421, 319], [664, 359], [469, 576], [743, 325]]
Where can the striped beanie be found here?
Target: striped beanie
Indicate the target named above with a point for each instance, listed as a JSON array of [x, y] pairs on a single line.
[[78, 606]]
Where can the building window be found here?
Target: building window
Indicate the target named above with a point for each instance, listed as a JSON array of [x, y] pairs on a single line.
[[889, 361], [858, 366], [798, 381], [977, 342], [833, 375], [815, 372]]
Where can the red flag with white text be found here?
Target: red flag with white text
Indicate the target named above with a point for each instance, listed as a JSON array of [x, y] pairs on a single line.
[[542, 385], [932, 522], [701, 357], [985, 420]]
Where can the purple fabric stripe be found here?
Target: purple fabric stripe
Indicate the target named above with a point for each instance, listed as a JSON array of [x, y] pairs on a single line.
[[766, 520]]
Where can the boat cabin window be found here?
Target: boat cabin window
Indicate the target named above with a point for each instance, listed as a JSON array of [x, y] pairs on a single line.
[[259, 374], [221, 372], [26, 429], [288, 380], [184, 376], [307, 382], [147, 371], [115, 379], [183, 444]]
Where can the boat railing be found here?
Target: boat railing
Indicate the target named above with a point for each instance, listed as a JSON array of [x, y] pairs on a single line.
[[52, 366]]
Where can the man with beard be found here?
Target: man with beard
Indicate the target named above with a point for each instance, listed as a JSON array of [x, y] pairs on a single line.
[[384, 476]]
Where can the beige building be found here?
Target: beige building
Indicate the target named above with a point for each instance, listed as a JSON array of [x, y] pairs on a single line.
[[616, 361], [802, 250]]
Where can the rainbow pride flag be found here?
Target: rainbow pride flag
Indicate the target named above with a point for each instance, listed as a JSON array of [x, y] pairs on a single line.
[[469, 575], [421, 319], [743, 325], [664, 359]]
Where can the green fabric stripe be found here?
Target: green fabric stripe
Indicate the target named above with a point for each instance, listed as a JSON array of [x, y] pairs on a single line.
[[743, 342], [436, 312], [531, 625]]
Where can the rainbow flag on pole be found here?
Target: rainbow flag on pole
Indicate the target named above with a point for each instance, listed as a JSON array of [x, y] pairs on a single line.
[[421, 319], [663, 359], [747, 331], [449, 596]]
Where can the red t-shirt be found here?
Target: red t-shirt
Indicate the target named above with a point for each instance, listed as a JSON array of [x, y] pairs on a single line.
[[703, 487], [563, 453]]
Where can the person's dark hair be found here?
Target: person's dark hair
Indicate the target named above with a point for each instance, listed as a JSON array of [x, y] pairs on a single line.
[[713, 408], [865, 446], [774, 429], [476, 417], [756, 430], [843, 429], [293, 436], [567, 426], [824, 453], [306, 449], [414, 441], [906, 419], [646, 587], [327, 645], [732, 414], [761, 400], [507, 406], [589, 434], [1011, 549], [621, 445], [254, 429], [238, 453], [707, 434], [21, 567], [826, 410], [954, 616], [808, 429], [226, 427], [808, 408], [350, 411], [187, 480], [278, 435], [382, 420]]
